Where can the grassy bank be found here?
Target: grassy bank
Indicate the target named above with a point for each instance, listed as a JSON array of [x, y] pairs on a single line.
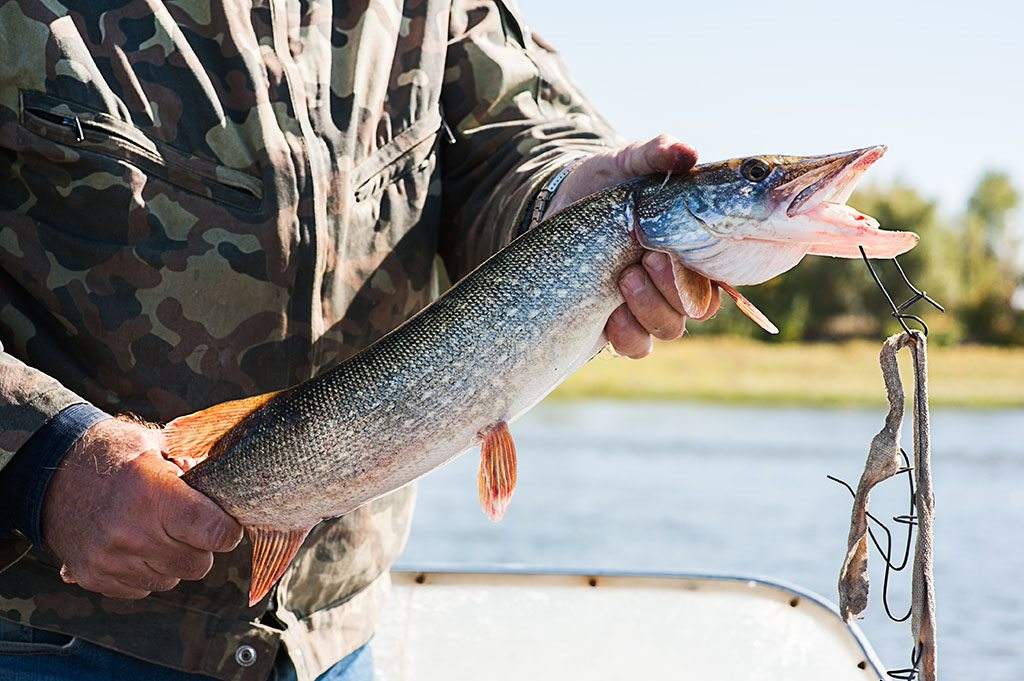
[[744, 371]]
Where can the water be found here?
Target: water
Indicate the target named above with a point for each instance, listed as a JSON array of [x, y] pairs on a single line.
[[679, 487]]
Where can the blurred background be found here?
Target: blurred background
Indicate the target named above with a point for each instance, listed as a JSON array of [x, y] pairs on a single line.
[[711, 455]]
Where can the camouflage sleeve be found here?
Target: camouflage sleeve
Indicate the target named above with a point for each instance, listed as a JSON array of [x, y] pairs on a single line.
[[28, 399], [517, 119]]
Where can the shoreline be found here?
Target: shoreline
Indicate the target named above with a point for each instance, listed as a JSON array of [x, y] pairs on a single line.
[[727, 370]]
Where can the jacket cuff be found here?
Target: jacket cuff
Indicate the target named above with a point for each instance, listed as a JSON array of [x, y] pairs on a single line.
[[24, 481]]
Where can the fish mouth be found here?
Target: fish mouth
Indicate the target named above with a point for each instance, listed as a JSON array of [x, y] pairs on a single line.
[[819, 217], [832, 180]]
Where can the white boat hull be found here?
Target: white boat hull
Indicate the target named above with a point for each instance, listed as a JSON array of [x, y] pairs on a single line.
[[497, 626]]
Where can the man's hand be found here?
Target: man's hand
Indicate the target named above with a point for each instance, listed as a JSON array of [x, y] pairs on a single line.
[[122, 520], [653, 307]]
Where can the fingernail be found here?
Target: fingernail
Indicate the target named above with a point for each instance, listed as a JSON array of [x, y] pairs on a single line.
[[656, 262], [635, 281], [618, 317]]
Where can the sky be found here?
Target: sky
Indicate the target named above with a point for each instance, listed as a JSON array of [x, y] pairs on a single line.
[[941, 83]]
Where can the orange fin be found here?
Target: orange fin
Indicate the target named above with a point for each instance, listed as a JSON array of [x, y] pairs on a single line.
[[694, 290], [188, 439], [272, 552], [497, 477], [748, 309]]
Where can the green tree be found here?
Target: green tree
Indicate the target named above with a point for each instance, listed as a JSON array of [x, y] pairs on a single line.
[[988, 268], [968, 264], [828, 298]]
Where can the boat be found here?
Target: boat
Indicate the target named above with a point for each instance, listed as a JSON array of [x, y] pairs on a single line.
[[499, 624]]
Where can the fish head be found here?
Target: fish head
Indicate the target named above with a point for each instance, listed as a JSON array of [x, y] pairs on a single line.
[[744, 221]]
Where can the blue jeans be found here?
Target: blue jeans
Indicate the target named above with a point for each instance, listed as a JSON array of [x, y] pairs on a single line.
[[28, 654]]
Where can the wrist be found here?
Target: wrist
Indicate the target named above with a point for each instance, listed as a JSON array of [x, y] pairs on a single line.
[[26, 480], [91, 476]]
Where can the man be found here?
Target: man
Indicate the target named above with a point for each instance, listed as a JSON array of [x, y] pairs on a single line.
[[201, 201]]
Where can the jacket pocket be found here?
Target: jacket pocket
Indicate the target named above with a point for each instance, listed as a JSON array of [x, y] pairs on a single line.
[[18, 639], [409, 151], [73, 125]]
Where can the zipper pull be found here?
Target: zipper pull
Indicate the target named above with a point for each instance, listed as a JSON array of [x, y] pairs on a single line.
[[60, 119], [447, 128], [76, 125]]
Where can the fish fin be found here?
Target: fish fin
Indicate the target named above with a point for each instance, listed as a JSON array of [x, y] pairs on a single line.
[[188, 439], [272, 552], [694, 290], [748, 309], [497, 477]]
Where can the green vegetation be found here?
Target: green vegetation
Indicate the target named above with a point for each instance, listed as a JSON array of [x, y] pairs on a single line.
[[969, 263], [721, 369]]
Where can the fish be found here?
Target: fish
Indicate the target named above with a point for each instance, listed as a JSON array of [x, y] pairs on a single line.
[[456, 374]]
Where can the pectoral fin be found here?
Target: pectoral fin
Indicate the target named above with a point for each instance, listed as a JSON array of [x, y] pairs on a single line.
[[497, 476], [694, 290], [188, 439], [272, 552], [748, 309]]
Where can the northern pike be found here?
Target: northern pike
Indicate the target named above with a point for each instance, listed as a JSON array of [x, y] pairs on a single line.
[[458, 372]]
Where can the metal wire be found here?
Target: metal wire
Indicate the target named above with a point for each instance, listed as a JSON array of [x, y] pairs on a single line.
[[910, 673], [909, 520], [899, 312]]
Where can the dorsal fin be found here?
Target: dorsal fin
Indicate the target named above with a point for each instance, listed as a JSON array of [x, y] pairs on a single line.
[[189, 438]]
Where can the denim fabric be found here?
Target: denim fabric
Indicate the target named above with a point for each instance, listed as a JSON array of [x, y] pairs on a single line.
[[24, 481], [28, 654], [356, 667]]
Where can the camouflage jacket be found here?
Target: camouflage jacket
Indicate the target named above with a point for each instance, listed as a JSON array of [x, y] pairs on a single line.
[[203, 200]]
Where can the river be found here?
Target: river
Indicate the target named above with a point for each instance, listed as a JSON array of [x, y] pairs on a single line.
[[698, 488]]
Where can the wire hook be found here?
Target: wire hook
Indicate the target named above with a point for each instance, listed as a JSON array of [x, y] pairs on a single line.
[[900, 311]]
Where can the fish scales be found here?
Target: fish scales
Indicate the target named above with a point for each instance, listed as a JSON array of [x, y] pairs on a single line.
[[455, 374], [485, 352]]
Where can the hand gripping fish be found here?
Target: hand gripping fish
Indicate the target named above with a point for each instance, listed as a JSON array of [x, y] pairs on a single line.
[[458, 372]]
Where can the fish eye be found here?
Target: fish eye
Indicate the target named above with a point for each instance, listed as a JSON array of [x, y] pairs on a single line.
[[755, 170]]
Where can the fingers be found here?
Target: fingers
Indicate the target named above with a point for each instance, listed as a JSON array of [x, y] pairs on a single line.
[[120, 577], [653, 306], [193, 519], [659, 268], [123, 574], [662, 154], [117, 589], [181, 562], [648, 304], [626, 335], [120, 517]]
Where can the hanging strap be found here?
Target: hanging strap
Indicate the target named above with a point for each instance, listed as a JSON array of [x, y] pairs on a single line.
[[883, 462]]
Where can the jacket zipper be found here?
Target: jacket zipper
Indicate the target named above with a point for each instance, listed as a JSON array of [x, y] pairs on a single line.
[[68, 122], [242, 193]]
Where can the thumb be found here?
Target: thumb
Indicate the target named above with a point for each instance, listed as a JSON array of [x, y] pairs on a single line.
[[662, 154], [190, 516]]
